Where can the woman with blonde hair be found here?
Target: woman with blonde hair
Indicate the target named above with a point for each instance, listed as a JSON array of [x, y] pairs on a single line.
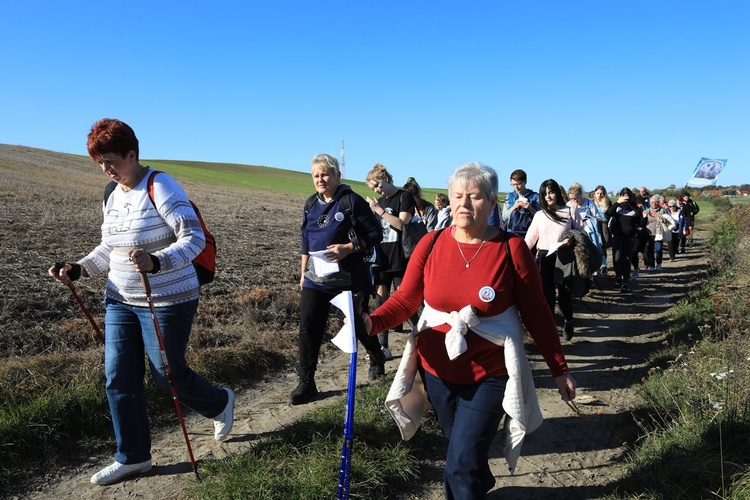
[[394, 208], [327, 228], [589, 213]]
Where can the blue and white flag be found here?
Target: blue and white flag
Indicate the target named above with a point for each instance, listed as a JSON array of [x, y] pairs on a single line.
[[706, 172]]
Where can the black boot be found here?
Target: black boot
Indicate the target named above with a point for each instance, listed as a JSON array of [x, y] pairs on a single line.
[[305, 391], [377, 364], [568, 332]]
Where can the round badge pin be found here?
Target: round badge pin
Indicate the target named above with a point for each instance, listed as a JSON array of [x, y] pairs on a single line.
[[487, 294], [339, 216]]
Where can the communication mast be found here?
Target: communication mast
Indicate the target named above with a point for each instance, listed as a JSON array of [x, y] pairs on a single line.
[[343, 161]]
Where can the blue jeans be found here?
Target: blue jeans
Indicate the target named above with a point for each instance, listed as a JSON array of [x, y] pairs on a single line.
[[128, 330], [469, 416]]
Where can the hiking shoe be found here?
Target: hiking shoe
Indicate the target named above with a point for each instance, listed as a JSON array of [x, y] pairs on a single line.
[[386, 352], [305, 391], [117, 472], [377, 370], [568, 331], [658, 267], [618, 283], [624, 288], [224, 421], [634, 274], [603, 271]]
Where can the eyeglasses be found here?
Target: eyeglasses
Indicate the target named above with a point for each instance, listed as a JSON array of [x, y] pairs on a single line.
[[517, 184]]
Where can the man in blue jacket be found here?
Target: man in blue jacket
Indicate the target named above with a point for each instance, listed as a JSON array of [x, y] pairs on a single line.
[[520, 205]]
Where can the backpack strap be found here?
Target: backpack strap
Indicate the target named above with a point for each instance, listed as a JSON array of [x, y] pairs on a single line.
[[151, 186], [346, 204], [432, 243], [511, 199], [112, 185]]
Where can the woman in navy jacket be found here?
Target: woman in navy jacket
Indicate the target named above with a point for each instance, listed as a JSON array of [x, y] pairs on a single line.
[[326, 229]]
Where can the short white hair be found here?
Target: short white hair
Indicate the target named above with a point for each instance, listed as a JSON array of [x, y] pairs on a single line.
[[479, 174]]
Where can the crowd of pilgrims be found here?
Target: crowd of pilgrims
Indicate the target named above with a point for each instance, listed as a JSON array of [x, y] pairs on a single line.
[[470, 290], [624, 227]]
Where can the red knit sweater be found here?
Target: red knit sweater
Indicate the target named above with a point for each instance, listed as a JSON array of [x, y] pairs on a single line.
[[446, 284]]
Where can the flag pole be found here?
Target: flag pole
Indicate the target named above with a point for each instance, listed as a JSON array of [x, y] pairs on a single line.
[[346, 448]]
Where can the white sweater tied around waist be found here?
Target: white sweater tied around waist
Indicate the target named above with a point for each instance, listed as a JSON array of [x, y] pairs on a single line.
[[407, 399]]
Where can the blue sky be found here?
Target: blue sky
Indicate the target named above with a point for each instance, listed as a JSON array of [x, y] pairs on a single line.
[[619, 93]]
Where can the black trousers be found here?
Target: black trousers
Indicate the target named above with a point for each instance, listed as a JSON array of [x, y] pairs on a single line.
[[564, 295], [314, 308]]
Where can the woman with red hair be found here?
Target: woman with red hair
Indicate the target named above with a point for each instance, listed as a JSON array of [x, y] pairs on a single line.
[[160, 236]]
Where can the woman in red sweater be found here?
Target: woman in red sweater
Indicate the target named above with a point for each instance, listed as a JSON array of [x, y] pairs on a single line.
[[468, 345]]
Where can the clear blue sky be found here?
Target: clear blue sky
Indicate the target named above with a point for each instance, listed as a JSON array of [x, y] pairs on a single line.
[[620, 93]]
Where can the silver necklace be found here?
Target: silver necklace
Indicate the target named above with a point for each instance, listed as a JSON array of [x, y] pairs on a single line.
[[475, 255]]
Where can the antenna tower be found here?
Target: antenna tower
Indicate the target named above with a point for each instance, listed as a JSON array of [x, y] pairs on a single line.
[[343, 161]]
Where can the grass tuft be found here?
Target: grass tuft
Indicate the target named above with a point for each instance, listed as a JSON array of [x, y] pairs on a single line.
[[302, 460]]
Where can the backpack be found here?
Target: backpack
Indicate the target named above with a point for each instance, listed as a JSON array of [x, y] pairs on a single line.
[[204, 262], [520, 219], [360, 246]]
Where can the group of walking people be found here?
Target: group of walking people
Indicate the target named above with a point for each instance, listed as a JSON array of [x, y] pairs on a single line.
[[466, 343], [643, 224], [464, 356]]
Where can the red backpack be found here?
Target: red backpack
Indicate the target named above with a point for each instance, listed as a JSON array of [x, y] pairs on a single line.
[[205, 262]]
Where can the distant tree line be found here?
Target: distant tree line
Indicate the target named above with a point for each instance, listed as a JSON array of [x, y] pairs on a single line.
[[716, 195]]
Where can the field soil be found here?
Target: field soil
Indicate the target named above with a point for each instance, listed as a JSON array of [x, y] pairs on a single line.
[[571, 456]]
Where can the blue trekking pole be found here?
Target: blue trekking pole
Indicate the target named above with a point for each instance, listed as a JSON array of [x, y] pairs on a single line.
[[346, 449]]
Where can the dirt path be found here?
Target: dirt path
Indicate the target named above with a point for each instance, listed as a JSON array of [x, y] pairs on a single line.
[[568, 457]]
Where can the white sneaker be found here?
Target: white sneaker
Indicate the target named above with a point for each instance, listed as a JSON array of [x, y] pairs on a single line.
[[387, 353], [117, 472], [224, 421]]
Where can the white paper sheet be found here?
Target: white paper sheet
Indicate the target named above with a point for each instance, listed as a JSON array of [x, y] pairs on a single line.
[[323, 266]]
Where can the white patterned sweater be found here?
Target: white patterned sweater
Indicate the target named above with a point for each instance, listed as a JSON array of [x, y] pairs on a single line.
[[173, 234]]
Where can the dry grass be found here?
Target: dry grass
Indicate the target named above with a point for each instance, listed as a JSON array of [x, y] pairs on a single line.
[[51, 210]]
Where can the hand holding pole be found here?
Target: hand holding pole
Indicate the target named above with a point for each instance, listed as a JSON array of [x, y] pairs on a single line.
[[60, 273], [160, 338]]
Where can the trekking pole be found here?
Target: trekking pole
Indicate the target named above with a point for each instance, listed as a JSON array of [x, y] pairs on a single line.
[[85, 310], [346, 449], [98, 331], [147, 288]]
